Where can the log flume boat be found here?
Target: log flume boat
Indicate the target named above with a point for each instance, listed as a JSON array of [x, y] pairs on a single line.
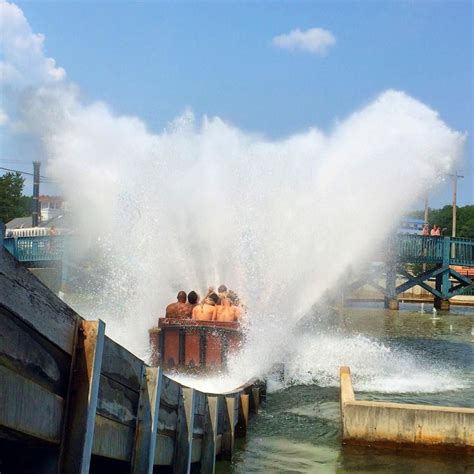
[[72, 400], [194, 346]]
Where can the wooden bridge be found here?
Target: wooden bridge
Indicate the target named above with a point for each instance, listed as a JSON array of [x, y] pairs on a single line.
[[74, 401]]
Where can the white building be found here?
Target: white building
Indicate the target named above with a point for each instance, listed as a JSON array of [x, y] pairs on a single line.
[[50, 206]]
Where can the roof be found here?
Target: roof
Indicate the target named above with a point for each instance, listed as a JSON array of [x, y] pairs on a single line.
[[19, 223], [63, 220], [46, 198]]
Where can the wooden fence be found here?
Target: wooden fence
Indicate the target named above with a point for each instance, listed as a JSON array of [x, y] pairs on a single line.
[[79, 400]]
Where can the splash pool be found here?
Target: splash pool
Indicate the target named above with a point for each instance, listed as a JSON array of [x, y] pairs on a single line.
[[298, 430]]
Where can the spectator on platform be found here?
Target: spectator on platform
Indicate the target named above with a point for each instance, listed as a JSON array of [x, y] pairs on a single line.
[[180, 309], [438, 231], [433, 231], [426, 230]]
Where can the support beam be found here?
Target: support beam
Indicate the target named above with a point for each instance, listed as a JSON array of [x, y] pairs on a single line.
[[209, 441], [184, 431], [391, 303], [441, 304], [81, 405], [147, 421], [390, 299], [256, 399], [243, 418], [229, 428]]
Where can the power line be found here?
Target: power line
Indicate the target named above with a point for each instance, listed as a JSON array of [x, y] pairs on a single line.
[[25, 172]]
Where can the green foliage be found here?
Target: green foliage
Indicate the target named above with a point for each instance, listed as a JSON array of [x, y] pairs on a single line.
[[12, 202], [443, 218], [26, 206]]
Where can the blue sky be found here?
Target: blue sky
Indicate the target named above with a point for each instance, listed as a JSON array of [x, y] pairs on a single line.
[[155, 59]]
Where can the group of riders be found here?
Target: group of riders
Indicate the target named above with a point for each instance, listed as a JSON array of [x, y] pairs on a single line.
[[221, 306]]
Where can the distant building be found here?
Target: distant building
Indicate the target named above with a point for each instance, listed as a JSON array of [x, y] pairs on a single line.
[[50, 206], [53, 213], [409, 225]]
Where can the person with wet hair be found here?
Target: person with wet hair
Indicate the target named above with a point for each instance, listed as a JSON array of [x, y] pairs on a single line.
[[227, 311], [206, 310], [224, 292], [180, 309], [193, 298]]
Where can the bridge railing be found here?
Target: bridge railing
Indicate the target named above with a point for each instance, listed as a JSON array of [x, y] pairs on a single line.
[[36, 248], [462, 251], [419, 249]]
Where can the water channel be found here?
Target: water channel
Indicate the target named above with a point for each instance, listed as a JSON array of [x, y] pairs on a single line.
[[298, 429]]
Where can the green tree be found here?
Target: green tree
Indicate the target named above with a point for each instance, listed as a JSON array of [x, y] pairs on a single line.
[[11, 203]]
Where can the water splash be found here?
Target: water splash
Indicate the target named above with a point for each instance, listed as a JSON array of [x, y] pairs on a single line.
[[278, 221]]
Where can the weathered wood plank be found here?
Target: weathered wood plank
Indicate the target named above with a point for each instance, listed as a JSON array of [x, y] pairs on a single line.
[[26, 297], [26, 352], [147, 422], [28, 408], [167, 419], [121, 365], [78, 435], [112, 439], [164, 451], [117, 401], [170, 392], [184, 432], [230, 421], [255, 400], [196, 450], [243, 415], [209, 442]]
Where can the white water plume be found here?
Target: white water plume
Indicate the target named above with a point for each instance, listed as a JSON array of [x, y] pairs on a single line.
[[204, 203]]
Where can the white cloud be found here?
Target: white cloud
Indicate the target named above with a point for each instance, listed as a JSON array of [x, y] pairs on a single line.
[[24, 60], [314, 40], [3, 118]]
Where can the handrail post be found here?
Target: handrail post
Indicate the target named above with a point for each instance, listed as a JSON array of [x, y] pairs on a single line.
[[147, 421], [81, 405]]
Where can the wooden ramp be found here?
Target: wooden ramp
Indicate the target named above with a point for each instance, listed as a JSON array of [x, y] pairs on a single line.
[[74, 401]]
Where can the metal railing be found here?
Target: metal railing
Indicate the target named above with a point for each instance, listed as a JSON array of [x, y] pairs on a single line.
[[36, 248], [462, 251], [419, 249], [404, 248]]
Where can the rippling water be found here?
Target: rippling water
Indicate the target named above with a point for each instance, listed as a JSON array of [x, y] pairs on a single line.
[[298, 429]]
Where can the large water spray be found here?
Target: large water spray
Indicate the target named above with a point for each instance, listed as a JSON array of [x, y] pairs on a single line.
[[204, 203]]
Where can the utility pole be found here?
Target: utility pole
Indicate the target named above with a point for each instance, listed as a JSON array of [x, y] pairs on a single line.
[[426, 223], [455, 192], [36, 184], [426, 209]]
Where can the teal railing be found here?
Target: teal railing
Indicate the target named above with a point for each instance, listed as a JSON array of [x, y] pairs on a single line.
[[434, 250], [462, 252], [36, 249], [404, 248]]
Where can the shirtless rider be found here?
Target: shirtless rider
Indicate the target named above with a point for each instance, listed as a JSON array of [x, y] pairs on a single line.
[[226, 311], [180, 309], [206, 310]]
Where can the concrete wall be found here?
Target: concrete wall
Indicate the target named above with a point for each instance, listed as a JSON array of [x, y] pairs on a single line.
[[367, 422]]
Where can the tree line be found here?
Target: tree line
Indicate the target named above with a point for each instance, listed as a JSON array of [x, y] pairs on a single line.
[[12, 201]]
